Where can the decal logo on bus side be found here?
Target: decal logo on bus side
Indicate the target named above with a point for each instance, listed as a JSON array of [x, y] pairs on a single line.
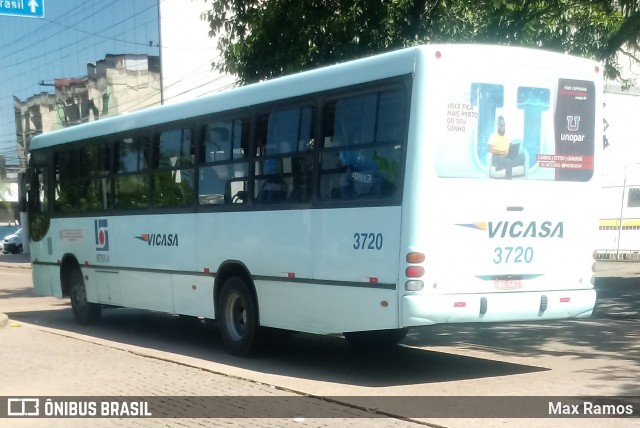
[[159, 239], [519, 229], [102, 234]]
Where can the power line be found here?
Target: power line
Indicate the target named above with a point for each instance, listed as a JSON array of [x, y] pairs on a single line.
[[75, 47], [73, 26], [80, 45], [38, 32], [110, 27], [69, 21]]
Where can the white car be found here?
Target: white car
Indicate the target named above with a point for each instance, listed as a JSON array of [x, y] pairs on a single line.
[[12, 243]]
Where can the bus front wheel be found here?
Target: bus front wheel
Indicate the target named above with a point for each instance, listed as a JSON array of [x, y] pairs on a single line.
[[239, 325], [85, 312]]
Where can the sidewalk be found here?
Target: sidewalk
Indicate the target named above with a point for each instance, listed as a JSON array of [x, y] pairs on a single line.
[[46, 355], [42, 362], [20, 261]]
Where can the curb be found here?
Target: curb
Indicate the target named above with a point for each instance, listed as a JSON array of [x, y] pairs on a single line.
[[4, 320], [15, 265]]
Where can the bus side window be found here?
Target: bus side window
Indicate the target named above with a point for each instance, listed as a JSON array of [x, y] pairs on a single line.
[[66, 175], [363, 139], [223, 167], [95, 182], [172, 178], [284, 161], [132, 159]]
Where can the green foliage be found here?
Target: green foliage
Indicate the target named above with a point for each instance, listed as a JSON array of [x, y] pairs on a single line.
[[38, 225], [261, 39], [389, 168], [170, 190]]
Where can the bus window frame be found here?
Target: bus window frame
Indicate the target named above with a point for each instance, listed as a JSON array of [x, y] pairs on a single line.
[[256, 158], [403, 84], [317, 101], [201, 163]]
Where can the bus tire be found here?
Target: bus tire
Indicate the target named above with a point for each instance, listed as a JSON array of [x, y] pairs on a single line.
[[239, 324], [85, 312], [377, 338]]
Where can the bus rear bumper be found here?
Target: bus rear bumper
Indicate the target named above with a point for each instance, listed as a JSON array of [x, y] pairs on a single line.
[[423, 309]]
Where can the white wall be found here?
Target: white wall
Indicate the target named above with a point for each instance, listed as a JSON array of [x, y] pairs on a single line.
[[621, 114], [187, 52], [620, 162]]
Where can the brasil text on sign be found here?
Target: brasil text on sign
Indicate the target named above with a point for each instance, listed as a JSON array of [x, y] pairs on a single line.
[[23, 8]]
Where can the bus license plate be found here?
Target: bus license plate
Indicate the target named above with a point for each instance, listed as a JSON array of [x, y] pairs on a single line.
[[507, 284]]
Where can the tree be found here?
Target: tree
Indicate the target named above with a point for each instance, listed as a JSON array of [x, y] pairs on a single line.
[[261, 39]]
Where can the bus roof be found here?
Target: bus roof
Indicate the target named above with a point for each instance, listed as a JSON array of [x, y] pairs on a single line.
[[377, 67], [325, 78]]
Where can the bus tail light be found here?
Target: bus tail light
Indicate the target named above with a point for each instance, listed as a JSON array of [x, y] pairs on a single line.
[[415, 257], [414, 285], [565, 299], [414, 271]]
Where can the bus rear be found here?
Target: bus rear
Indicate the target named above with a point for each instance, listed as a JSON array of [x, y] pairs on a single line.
[[499, 215]]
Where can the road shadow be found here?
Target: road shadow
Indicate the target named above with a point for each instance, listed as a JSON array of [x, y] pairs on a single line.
[[13, 260], [24, 293], [301, 356], [611, 333], [618, 298], [14, 293]]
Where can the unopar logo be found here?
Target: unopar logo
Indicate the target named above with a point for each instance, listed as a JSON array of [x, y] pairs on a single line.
[[159, 239], [519, 229]]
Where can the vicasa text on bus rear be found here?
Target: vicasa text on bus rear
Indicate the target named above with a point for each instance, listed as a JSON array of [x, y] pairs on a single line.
[[519, 229]]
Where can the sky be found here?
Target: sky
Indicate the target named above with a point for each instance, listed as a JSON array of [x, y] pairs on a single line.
[[71, 34]]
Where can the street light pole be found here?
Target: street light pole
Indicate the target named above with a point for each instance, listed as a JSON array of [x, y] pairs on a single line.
[[624, 188]]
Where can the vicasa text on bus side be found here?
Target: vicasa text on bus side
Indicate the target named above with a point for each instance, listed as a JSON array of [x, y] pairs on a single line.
[[159, 239]]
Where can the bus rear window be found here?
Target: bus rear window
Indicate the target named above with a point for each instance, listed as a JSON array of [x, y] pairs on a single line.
[[511, 131]]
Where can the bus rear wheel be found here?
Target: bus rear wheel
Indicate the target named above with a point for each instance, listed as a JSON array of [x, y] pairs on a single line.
[[85, 312], [239, 325], [367, 339]]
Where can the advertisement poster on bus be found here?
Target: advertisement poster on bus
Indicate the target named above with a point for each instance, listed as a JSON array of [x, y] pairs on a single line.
[[504, 131]]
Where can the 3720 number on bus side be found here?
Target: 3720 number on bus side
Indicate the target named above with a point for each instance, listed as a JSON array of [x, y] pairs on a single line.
[[367, 241]]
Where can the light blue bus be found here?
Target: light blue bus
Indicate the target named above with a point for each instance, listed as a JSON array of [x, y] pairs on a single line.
[[434, 184]]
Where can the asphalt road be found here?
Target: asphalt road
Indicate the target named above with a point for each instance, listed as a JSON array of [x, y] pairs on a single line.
[[136, 352]]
